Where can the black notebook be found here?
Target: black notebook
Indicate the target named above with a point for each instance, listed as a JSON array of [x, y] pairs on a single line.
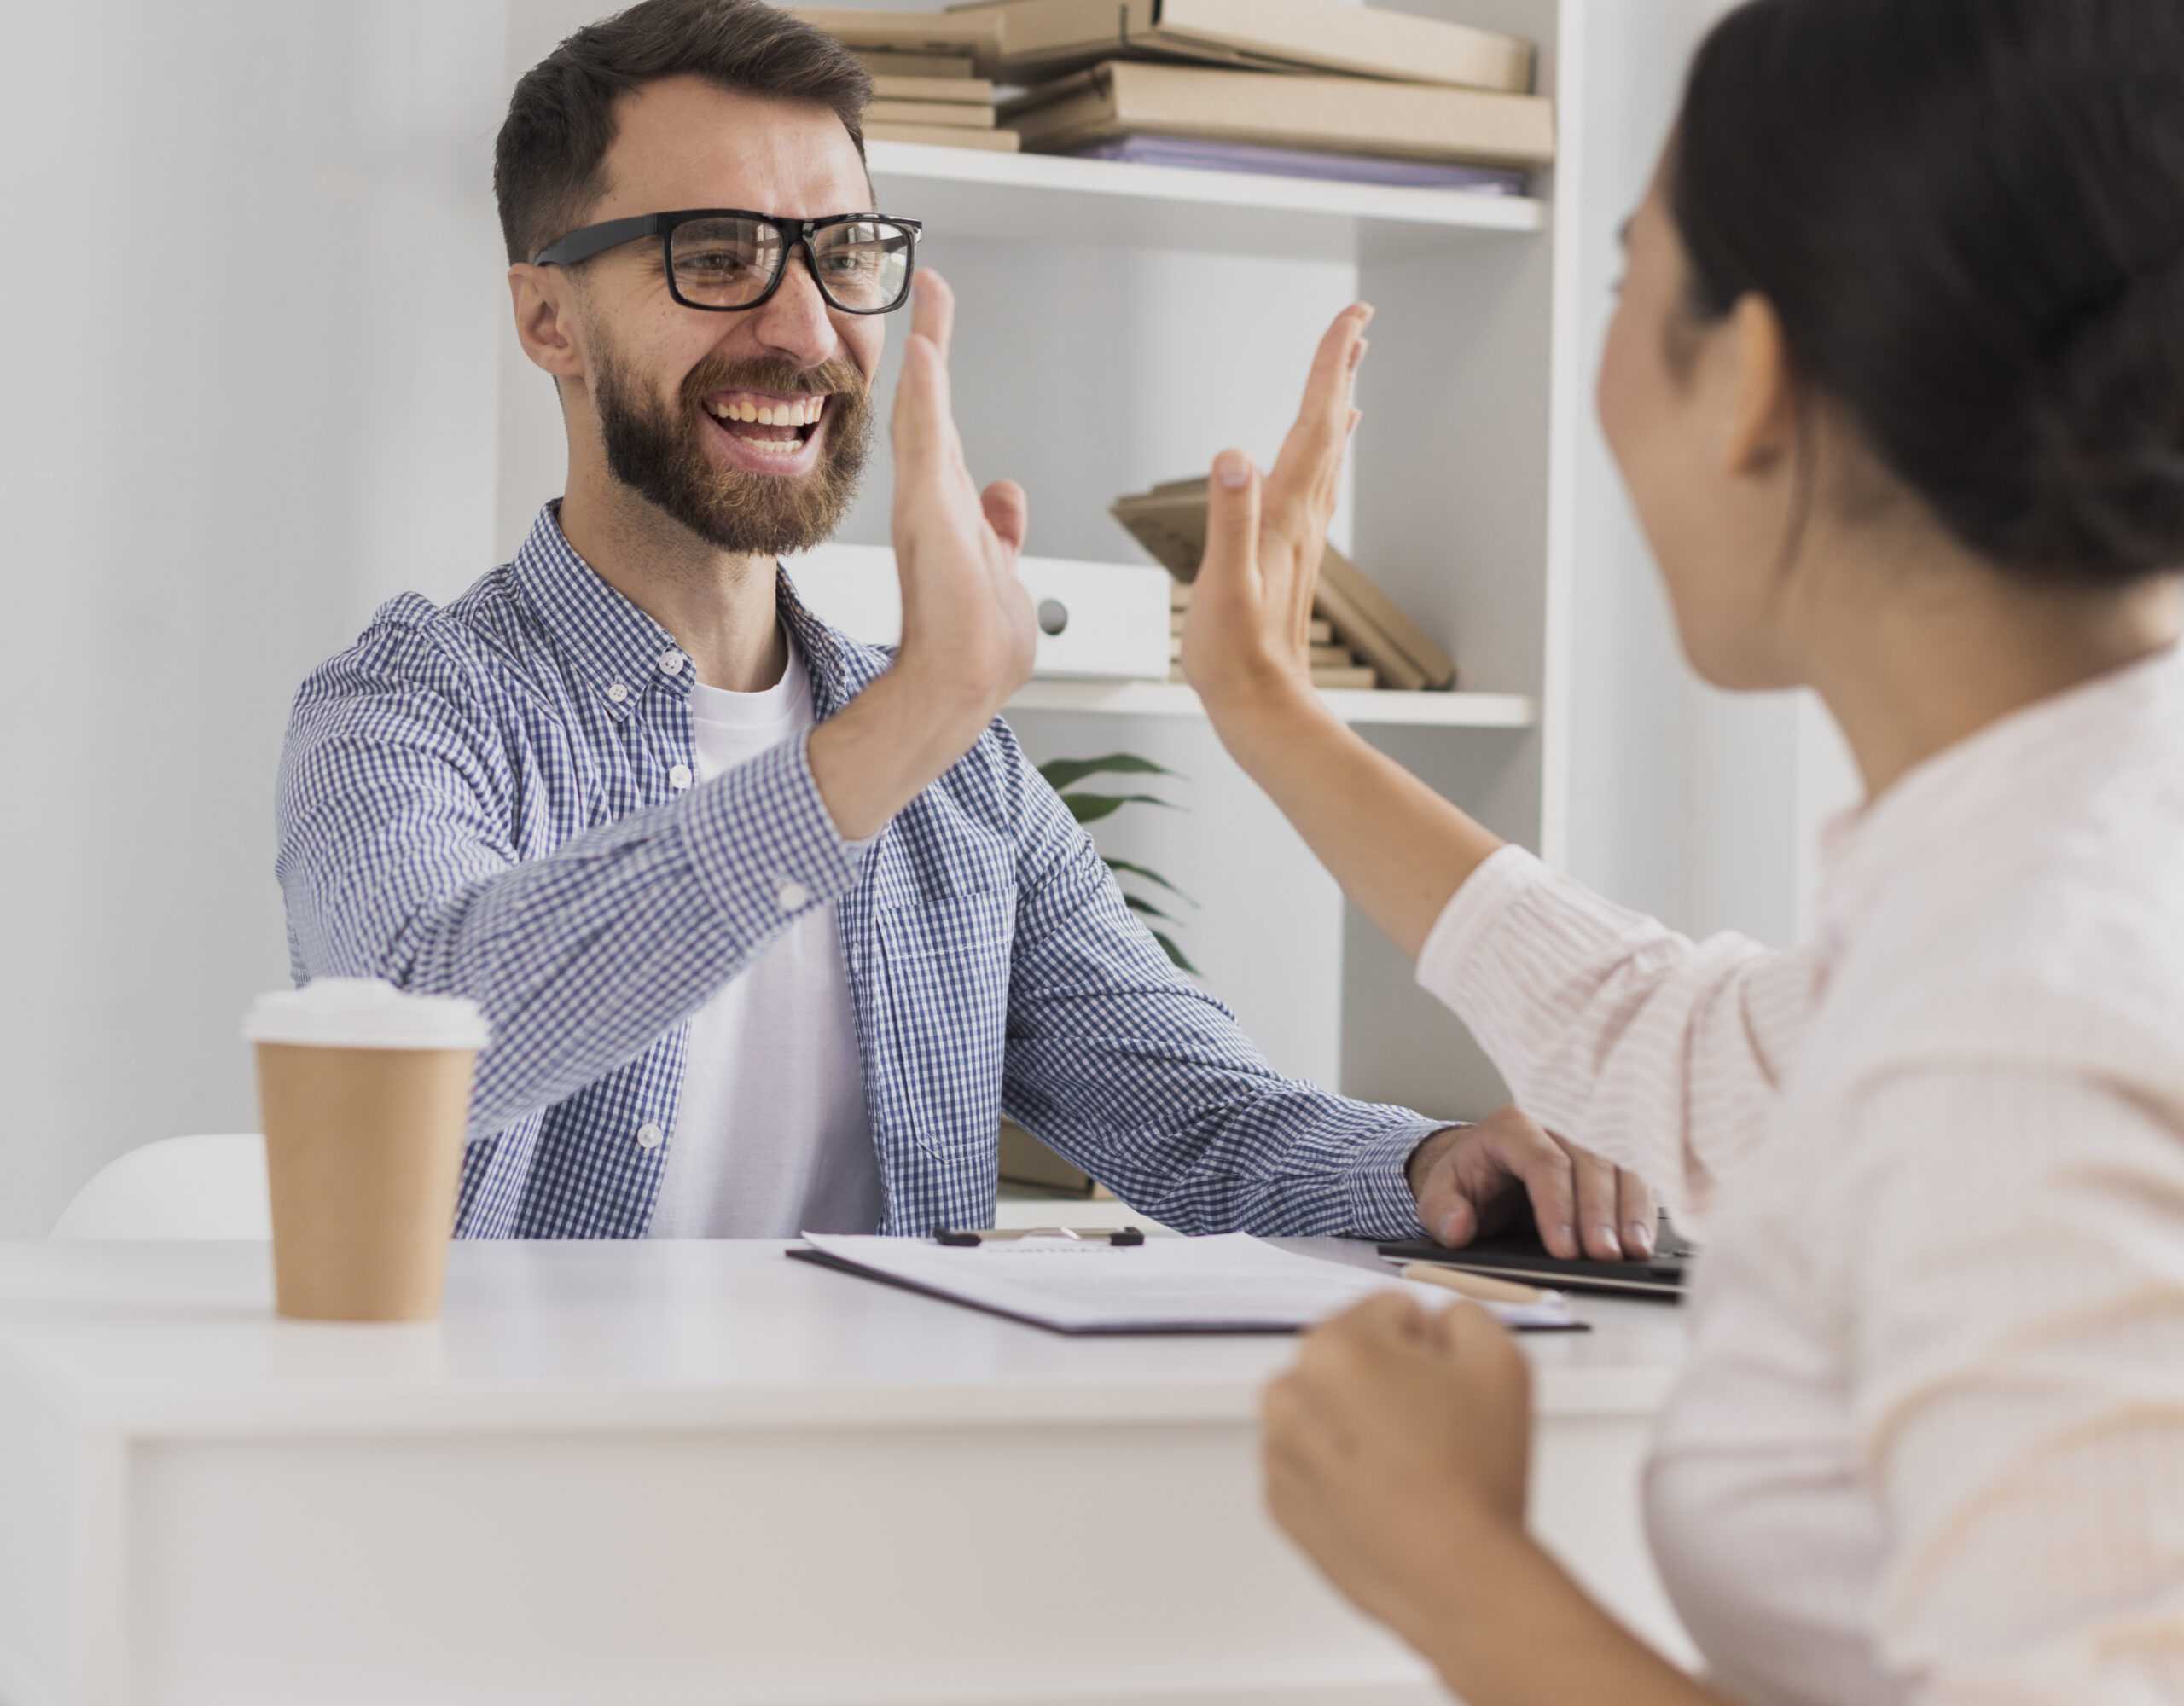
[[1521, 1256]]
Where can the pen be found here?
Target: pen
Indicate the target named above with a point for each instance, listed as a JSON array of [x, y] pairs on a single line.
[[1478, 1288]]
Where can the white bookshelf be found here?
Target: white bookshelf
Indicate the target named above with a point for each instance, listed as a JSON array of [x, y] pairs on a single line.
[[1119, 324], [1363, 710], [971, 192]]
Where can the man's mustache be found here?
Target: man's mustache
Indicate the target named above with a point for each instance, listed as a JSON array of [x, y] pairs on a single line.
[[828, 379]]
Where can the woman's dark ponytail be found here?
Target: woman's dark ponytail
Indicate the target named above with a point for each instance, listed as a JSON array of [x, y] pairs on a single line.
[[1970, 216]]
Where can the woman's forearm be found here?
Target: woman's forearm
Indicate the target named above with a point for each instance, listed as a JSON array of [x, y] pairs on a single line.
[[1516, 1630], [1398, 848]]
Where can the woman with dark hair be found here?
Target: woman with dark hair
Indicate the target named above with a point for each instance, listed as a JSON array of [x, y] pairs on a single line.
[[1896, 386]]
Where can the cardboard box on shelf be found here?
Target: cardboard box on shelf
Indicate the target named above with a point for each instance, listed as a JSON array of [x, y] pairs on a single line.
[[1043, 39], [1344, 114]]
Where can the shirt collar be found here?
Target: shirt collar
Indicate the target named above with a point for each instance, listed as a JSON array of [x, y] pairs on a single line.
[[2015, 777], [621, 651]]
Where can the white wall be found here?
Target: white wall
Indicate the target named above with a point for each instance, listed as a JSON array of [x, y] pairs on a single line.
[[251, 274], [300, 392]]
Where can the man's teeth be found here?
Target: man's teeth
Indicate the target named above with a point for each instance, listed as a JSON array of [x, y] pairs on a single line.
[[803, 411]]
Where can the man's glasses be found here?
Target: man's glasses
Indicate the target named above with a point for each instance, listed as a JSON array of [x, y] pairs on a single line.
[[723, 260]]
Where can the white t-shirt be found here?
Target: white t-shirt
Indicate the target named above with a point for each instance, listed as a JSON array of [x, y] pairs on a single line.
[[772, 1137]]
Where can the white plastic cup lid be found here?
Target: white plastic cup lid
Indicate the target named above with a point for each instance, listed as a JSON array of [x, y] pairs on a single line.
[[364, 1012]]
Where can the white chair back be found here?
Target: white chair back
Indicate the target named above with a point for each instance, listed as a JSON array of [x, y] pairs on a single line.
[[211, 1186]]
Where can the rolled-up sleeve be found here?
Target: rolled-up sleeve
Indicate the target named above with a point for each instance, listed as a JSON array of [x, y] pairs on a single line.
[[396, 859], [1662, 1053]]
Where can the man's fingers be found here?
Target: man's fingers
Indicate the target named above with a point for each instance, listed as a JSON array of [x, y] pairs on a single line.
[[1637, 1213], [1447, 1214], [932, 314], [924, 430], [1543, 1165], [1232, 524], [1008, 513], [1598, 1225]]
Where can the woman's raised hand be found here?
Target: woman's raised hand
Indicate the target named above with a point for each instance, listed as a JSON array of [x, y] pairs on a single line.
[[1247, 640]]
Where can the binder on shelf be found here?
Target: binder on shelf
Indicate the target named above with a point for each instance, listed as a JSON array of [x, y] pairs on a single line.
[[1044, 39], [1097, 621], [1338, 115]]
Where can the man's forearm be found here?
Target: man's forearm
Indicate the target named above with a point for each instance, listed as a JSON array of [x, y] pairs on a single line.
[[581, 958], [884, 748], [1399, 850]]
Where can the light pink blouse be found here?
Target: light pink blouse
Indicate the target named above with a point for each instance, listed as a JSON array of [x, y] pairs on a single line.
[[1930, 1447]]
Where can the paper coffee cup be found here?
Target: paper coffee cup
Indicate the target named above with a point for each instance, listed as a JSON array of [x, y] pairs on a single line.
[[365, 1093]]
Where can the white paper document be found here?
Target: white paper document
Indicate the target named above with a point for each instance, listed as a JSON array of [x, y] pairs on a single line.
[[1229, 1284]]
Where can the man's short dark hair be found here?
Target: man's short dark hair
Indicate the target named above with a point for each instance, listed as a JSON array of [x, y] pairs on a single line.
[[547, 159]]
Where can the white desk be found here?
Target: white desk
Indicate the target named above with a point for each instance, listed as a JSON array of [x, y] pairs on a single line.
[[631, 1474]]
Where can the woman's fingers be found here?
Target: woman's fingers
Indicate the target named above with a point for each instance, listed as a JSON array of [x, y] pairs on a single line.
[[1232, 524], [1312, 453]]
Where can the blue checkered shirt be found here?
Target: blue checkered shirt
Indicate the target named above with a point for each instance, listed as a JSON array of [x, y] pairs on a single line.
[[493, 800]]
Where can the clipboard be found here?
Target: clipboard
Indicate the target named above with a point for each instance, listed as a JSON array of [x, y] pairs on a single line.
[[1227, 1285], [820, 1258]]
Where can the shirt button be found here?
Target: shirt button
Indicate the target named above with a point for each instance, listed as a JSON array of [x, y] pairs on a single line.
[[793, 896], [650, 1136], [671, 662], [679, 777], [617, 692]]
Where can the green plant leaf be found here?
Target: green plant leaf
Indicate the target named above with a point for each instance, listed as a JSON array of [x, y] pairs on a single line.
[[1091, 808], [1147, 906], [1064, 773], [1181, 959], [1119, 865]]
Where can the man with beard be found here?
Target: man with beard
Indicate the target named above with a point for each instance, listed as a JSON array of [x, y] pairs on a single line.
[[770, 927]]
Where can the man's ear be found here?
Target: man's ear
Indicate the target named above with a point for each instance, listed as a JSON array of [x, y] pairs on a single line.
[[1762, 420], [545, 321]]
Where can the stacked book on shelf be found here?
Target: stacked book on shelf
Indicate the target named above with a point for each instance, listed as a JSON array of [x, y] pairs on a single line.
[[1298, 88], [925, 70], [1361, 639]]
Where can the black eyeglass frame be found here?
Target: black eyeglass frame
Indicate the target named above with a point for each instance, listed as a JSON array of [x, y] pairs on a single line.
[[581, 245]]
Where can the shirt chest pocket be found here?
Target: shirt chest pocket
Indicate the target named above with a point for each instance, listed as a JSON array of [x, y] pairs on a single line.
[[936, 987]]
